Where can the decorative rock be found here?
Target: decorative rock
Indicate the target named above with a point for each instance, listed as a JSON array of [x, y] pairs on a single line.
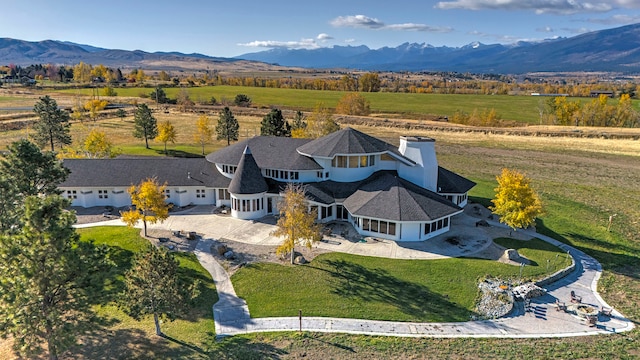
[[513, 255], [222, 248], [229, 255], [163, 239], [300, 260]]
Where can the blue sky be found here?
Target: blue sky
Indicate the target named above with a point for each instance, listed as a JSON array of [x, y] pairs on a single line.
[[230, 28]]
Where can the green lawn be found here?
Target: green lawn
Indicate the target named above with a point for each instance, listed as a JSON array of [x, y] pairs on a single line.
[[351, 286], [196, 328], [517, 108]]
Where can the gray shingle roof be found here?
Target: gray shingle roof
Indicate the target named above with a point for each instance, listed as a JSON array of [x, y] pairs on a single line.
[[344, 142], [452, 183], [129, 171], [269, 152], [387, 196], [248, 178]]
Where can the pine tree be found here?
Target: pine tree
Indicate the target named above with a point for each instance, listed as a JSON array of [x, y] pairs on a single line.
[[153, 287], [274, 124], [53, 126], [227, 127], [49, 279], [145, 125]]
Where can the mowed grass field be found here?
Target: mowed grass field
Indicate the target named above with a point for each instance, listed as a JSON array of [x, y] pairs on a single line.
[[522, 109]]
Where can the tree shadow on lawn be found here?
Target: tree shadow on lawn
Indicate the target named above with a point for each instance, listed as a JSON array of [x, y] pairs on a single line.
[[377, 285], [618, 260]]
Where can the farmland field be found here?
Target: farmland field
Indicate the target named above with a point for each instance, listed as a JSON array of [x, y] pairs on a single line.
[[516, 108]]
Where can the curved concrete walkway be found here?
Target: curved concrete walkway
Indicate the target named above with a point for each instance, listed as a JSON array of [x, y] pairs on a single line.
[[231, 313]]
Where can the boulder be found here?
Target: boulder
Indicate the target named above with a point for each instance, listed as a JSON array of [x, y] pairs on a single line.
[[221, 249], [300, 260], [229, 255]]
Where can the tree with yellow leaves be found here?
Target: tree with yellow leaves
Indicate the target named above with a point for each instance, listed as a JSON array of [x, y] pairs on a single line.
[[319, 123], [149, 201], [94, 107], [97, 145], [353, 104], [516, 202], [166, 133], [204, 131], [296, 222]]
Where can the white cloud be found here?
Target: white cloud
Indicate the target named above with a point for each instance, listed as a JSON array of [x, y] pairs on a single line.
[[304, 43], [418, 27], [616, 20], [365, 22], [562, 7], [349, 41], [324, 37], [546, 29], [357, 21]]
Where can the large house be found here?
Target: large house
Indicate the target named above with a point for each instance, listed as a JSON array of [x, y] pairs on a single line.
[[393, 193]]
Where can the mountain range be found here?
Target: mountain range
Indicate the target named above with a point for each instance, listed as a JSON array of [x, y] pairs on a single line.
[[610, 50]]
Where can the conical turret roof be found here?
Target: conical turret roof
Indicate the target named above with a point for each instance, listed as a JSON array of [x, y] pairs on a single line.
[[248, 177]]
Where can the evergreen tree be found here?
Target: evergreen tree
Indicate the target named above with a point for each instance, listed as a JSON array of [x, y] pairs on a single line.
[[273, 124], [227, 127], [49, 279], [153, 287], [145, 125], [53, 126]]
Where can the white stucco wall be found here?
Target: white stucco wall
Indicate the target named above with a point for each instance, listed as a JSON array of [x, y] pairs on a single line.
[[249, 215]]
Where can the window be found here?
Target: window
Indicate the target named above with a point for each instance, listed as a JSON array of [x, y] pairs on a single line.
[[294, 175], [364, 161], [223, 194], [379, 226], [72, 194], [229, 169], [167, 193], [436, 225], [327, 211], [339, 161], [372, 160], [353, 161], [319, 174], [461, 198], [200, 193], [103, 194]]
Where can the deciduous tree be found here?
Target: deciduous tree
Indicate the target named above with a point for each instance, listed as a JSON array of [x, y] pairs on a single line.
[[145, 125], [53, 126], [148, 198], [274, 124], [153, 287], [516, 202], [227, 127], [94, 107], [296, 223], [82, 73], [204, 132], [320, 123], [353, 104], [184, 101], [166, 133], [369, 82], [96, 145], [49, 279]]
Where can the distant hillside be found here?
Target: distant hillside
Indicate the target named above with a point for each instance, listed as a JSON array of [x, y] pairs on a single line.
[[612, 50], [24, 53]]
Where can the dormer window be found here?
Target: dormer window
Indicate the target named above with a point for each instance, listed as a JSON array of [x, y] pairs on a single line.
[[229, 169]]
